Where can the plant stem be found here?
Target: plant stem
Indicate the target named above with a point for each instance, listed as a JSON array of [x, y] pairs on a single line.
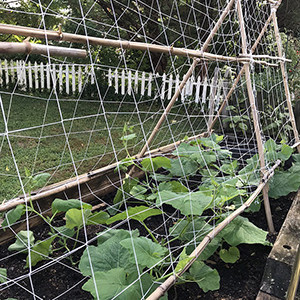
[[149, 231]]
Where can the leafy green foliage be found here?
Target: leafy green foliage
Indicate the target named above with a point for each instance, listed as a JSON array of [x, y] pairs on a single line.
[[39, 252], [207, 278], [13, 215], [188, 203], [118, 280], [184, 259], [284, 182], [139, 213], [147, 252], [153, 164], [60, 205], [230, 256], [3, 275], [22, 239], [240, 230]]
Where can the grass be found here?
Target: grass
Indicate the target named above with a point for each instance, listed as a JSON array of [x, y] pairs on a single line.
[[38, 135]]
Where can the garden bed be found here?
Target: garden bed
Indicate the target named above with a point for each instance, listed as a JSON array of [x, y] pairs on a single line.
[[238, 281], [170, 228]]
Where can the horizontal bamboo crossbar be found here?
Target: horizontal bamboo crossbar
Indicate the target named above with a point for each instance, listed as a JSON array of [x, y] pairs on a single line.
[[77, 38], [84, 178], [30, 48]]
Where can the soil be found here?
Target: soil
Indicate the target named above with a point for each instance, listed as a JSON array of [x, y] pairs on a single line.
[[63, 281]]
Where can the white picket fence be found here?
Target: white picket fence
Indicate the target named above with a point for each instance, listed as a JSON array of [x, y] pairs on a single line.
[[200, 91], [71, 78]]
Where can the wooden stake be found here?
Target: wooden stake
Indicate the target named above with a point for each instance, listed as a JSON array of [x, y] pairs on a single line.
[[284, 77], [163, 288], [255, 117], [30, 48]]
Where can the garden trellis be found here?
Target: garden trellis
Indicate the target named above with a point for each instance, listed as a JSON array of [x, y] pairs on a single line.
[[216, 58]]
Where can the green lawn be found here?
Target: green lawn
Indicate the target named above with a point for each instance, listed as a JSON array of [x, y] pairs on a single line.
[[39, 143]]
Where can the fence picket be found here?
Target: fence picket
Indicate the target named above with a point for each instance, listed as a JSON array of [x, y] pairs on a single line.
[[136, 82], [42, 70], [162, 94], [12, 71], [150, 84], [143, 84], [36, 78], [123, 83], [60, 78], [48, 77], [30, 76], [170, 87], [73, 80], [79, 79], [67, 80], [116, 81]]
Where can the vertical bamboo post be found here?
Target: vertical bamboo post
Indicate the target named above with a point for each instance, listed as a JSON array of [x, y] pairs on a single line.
[[185, 79], [284, 76], [254, 115]]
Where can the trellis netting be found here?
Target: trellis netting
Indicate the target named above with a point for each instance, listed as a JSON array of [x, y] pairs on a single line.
[[179, 112]]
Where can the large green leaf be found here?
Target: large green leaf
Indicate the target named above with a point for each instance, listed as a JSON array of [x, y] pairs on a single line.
[[241, 231], [21, 242], [128, 184], [230, 256], [173, 186], [3, 275], [187, 150], [109, 253], [76, 217], [98, 218], [205, 158], [39, 251], [40, 180], [209, 143], [118, 282], [59, 205], [183, 167], [184, 259], [207, 278], [187, 231], [139, 213], [138, 192], [147, 252], [13, 215], [285, 182], [155, 163], [188, 203], [116, 235]]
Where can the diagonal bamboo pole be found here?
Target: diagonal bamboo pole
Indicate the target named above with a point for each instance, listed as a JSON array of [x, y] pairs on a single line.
[[254, 116], [163, 288], [186, 77], [284, 77]]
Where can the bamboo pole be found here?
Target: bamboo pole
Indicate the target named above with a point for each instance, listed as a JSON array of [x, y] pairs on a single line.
[[30, 48], [254, 116], [163, 288], [85, 178], [284, 77]]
